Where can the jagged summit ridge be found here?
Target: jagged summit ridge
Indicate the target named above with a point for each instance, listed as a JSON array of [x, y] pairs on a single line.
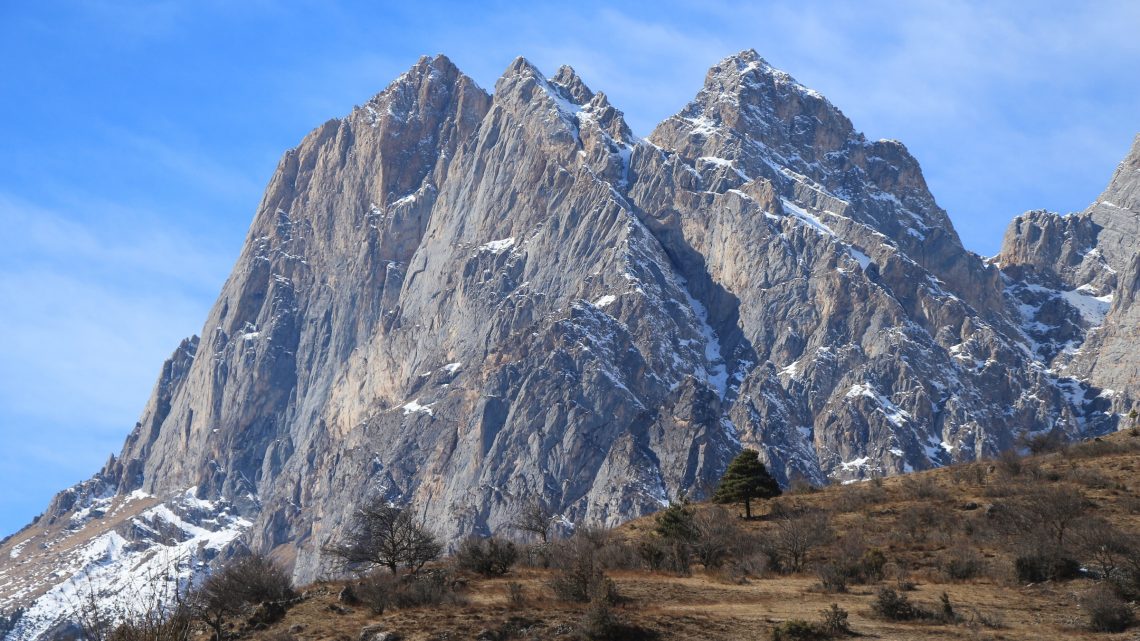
[[464, 300]]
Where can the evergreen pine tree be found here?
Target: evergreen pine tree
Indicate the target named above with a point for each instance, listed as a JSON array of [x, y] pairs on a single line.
[[675, 522], [746, 479]]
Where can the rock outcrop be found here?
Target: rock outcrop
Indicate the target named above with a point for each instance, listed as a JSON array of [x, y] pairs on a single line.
[[464, 300], [1074, 281]]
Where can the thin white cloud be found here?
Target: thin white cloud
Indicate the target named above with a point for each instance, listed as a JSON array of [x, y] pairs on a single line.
[[90, 312]]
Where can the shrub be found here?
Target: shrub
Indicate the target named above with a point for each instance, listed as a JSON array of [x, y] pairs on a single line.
[[832, 577], [1107, 612], [515, 595], [857, 497], [1089, 478], [872, 566], [962, 563], [797, 533], [797, 630], [1036, 568], [1052, 441], [917, 522], [717, 537], [600, 621], [664, 555], [1010, 464], [381, 591], [246, 581], [896, 607], [488, 557], [833, 623], [535, 517], [923, 488], [577, 573], [946, 613]]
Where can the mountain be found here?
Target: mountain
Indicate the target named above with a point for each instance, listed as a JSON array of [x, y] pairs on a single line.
[[465, 300], [1075, 280]]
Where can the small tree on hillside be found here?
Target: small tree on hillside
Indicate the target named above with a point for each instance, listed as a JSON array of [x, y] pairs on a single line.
[[746, 479], [535, 517], [387, 536]]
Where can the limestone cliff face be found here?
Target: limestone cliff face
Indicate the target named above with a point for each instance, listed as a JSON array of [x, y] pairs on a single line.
[[464, 300], [1074, 281]]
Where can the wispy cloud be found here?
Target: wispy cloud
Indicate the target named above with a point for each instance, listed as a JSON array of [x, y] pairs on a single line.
[[89, 312]]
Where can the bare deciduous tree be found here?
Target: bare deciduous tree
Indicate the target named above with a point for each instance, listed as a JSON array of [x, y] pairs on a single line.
[[385, 535], [535, 517], [798, 531]]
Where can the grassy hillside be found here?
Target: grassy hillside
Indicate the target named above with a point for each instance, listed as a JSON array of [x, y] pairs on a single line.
[[1018, 548]]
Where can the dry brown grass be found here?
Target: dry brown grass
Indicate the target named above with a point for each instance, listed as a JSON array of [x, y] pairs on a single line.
[[917, 522]]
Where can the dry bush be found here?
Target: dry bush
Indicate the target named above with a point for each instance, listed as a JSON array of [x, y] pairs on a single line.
[[535, 517], [1105, 548], [601, 621], [962, 563], [968, 474], [244, 582], [1037, 444], [857, 497], [578, 568], [1050, 512], [923, 488], [717, 539], [166, 617], [1038, 565], [381, 591], [798, 630], [796, 533], [662, 555], [487, 557], [1096, 448], [893, 606], [833, 577], [800, 485], [753, 558], [852, 563], [1107, 612], [516, 596], [832, 624], [1090, 478], [1010, 464], [918, 523]]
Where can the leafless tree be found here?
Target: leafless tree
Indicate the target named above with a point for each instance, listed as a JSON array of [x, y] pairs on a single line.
[[717, 536], [535, 517], [385, 535], [798, 531], [1051, 512]]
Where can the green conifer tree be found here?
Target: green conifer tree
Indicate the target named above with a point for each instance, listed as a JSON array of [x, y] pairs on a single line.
[[746, 479]]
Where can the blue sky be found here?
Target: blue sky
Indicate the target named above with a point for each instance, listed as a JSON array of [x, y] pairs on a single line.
[[137, 137]]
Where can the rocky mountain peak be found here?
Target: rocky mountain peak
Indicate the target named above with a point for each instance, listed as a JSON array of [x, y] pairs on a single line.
[[568, 79]]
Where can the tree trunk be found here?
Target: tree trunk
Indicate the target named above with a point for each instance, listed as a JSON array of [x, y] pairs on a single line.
[[747, 509]]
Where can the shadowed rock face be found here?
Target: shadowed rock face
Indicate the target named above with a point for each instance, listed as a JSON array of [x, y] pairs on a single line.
[[465, 300]]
